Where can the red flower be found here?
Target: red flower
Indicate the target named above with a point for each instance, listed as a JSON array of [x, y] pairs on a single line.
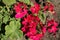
[[20, 9], [45, 8], [52, 26], [30, 23], [35, 8], [21, 14], [36, 37], [49, 6], [23, 29], [44, 30], [31, 32]]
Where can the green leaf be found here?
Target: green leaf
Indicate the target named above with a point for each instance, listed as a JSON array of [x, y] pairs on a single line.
[[0, 26], [42, 17], [8, 30], [21, 0], [15, 24], [6, 18], [11, 19], [1, 17], [18, 24], [25, 1], [9, 2], [13, 31], [20, 33]]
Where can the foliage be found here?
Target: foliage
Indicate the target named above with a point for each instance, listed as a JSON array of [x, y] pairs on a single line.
[[12, 31], [11, 28], [25, 1], [42, 17], [9, 2]]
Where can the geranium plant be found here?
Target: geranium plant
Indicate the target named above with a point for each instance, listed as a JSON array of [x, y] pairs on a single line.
[[26, 20]]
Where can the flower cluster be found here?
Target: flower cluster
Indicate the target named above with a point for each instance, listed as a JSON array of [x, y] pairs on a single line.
[[50, 7], [21, 9], [32, 26], [52, 26], [35, 8]]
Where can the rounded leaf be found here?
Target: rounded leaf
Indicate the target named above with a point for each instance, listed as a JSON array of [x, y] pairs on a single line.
[[9, 2]]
